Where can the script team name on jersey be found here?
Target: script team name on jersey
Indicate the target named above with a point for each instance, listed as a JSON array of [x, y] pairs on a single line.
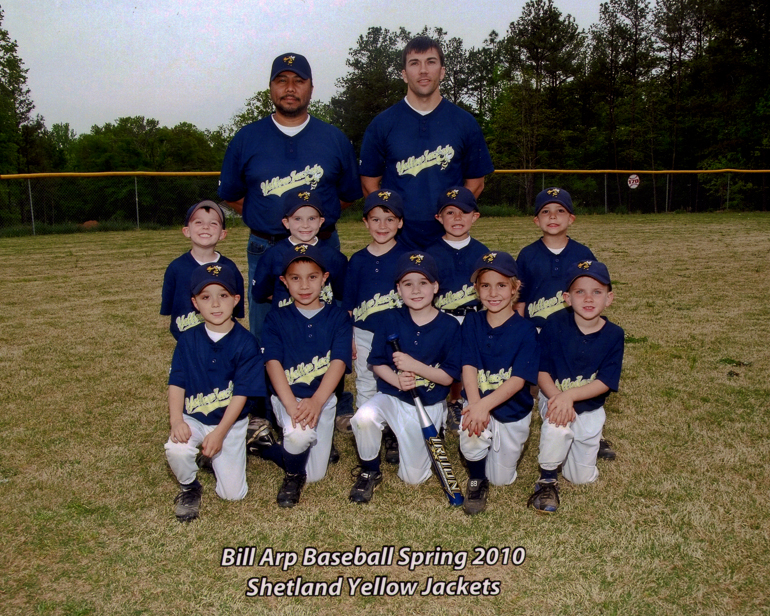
[[544, 307], [568, 383], [308, 176], [188, 321], [441, 156], [456, 299], [307, 372], [217, 399], [489, 382], [377, 304]]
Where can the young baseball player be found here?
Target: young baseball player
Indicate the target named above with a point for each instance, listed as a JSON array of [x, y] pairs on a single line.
[[370, 293], [204, 225], [582, 354], [303, 218], [543, 265], [307, 350], [429, 361], [500, 357], [214, 369], [456, 253]]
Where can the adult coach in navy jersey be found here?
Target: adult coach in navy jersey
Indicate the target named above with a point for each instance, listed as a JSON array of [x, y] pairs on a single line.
[[288, 149], [422, 145]]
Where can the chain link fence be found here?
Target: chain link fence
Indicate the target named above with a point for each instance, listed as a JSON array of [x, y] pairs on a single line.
[[59, 203]]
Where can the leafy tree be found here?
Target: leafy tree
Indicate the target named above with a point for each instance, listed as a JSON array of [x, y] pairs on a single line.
[[373, 82], [15, 102]]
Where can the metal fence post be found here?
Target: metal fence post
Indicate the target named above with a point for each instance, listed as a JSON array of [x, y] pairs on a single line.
[[728, 191], [136, 195], [31, 208], [605, 193]]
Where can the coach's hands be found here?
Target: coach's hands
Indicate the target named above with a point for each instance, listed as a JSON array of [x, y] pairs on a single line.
[[180, 432]]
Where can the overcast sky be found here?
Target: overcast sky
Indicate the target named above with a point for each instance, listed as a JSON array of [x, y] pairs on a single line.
[[93, 61]]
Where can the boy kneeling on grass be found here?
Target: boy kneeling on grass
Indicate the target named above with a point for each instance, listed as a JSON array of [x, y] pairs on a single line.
[[429, 362], [582, 354], [214, 369], [308, 349]]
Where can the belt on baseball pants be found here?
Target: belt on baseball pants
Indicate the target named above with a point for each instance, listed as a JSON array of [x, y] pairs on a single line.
[[274, 239], [462, 311]]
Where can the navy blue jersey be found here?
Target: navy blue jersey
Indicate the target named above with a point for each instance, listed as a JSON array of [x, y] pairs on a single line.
[[211, 373], [261, 164], [573, 358], [543, 277], [499, 353], [176, 298], [267, 278], [454, 274], [421, 155], [306, 347], [370, 287], [435, 344]]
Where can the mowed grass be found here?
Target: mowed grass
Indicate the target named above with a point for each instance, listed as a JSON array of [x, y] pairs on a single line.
[[678, 524]]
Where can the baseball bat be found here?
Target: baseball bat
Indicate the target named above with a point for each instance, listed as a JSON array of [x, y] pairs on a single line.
[[435, 445]]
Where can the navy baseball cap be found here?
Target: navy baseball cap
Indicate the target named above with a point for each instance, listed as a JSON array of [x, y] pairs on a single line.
[[420, 262], [385, 198], [293, 62], [458, 196], [301, 197], [553, 195], [212, 273], [303, 251], [205, 204], [500, 262], [593, 269]]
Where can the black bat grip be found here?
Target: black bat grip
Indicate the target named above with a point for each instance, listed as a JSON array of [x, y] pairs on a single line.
[[396, 346]]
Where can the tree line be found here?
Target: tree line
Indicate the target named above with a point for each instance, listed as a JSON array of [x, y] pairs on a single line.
[[669, 84]]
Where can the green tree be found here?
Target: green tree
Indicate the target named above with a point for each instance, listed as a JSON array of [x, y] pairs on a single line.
[[15, 102], [373, 82]]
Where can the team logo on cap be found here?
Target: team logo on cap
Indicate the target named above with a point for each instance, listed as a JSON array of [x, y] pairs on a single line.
[[417, 259], [452, 194], [585, 264], [301, 248], [214, 270], [304, 195], [553, 191], [384, 195], [490, 257], [289, 60]]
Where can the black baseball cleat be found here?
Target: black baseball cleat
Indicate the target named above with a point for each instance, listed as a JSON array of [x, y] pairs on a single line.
[[363, 489], [476, 496], [334, 455], [390, 442], [291, 488], [187, 503], [546, 496], [606, 452]]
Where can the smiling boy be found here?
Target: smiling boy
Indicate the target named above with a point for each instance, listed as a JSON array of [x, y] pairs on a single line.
[[582, 355], [307, 352], [456, 254], [430, 361], [213, 371], [543, 264], [204, 226]]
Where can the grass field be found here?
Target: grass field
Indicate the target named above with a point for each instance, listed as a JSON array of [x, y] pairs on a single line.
[[678, 524]]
